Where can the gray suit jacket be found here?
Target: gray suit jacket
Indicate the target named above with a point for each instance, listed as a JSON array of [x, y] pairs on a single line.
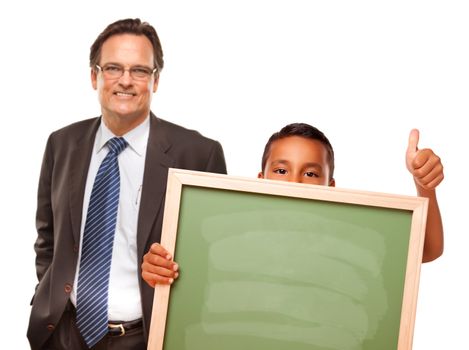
[[60, 201]]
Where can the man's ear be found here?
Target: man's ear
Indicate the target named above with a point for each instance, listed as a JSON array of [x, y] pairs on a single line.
[[332, 183], [155, 84], [94, 78], [260, 175]]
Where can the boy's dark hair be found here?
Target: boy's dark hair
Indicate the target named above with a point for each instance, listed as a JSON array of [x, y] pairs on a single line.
[[302, 130], [129, 26]]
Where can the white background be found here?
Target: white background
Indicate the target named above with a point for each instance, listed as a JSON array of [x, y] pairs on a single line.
[[364, 72]]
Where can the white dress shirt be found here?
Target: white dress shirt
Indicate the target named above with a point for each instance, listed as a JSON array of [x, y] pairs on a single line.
[[124, 303]]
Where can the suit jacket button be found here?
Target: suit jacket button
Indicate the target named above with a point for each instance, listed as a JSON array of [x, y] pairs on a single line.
[[75, 248], [50, 327], [68, 288]]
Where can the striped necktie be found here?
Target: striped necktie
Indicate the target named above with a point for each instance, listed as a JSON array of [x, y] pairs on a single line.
[[96, 252]]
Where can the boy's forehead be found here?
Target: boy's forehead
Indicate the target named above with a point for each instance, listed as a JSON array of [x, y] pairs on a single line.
[[297, 144], [299, 151]]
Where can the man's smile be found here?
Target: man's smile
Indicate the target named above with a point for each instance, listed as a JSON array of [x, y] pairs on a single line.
[[125, 94]]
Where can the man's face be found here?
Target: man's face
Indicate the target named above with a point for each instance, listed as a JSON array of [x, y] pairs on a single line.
[[298, 159], [125, 97]]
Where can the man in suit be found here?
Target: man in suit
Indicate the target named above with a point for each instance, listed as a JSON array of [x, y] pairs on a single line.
[[126, 60]]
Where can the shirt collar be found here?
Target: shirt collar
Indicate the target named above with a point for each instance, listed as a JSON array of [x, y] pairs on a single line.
[[137, 138]]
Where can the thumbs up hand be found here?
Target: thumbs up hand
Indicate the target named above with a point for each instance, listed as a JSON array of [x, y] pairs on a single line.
[[424, 165]]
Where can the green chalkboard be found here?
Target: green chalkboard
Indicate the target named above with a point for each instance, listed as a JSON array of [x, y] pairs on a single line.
[[267, 271]]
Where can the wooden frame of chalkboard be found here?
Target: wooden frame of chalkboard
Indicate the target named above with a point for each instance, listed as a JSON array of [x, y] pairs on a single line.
[[271, 264]]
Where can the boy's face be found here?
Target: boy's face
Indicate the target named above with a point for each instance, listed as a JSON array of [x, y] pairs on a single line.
[[298, 159]]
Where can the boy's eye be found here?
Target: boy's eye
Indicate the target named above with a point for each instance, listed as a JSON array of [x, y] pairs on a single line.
[[280, 171], [311, 174]]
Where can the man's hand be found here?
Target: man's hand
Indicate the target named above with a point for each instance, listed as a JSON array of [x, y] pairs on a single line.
[[158, 267], [424, 165]]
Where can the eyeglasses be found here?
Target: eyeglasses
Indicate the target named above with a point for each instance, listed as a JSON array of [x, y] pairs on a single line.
[[115, 71]]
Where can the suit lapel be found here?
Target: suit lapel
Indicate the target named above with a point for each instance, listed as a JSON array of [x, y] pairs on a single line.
[[80, 163], [155, 176]]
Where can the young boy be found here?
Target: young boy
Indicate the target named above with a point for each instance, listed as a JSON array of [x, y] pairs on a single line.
[[302, 153]]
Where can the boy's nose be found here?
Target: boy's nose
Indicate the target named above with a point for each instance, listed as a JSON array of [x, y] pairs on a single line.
[[295, 178]]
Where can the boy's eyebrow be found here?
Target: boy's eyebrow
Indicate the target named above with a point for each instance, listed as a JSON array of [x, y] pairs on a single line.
[[280, 161], [313, 165], [306, 165]]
